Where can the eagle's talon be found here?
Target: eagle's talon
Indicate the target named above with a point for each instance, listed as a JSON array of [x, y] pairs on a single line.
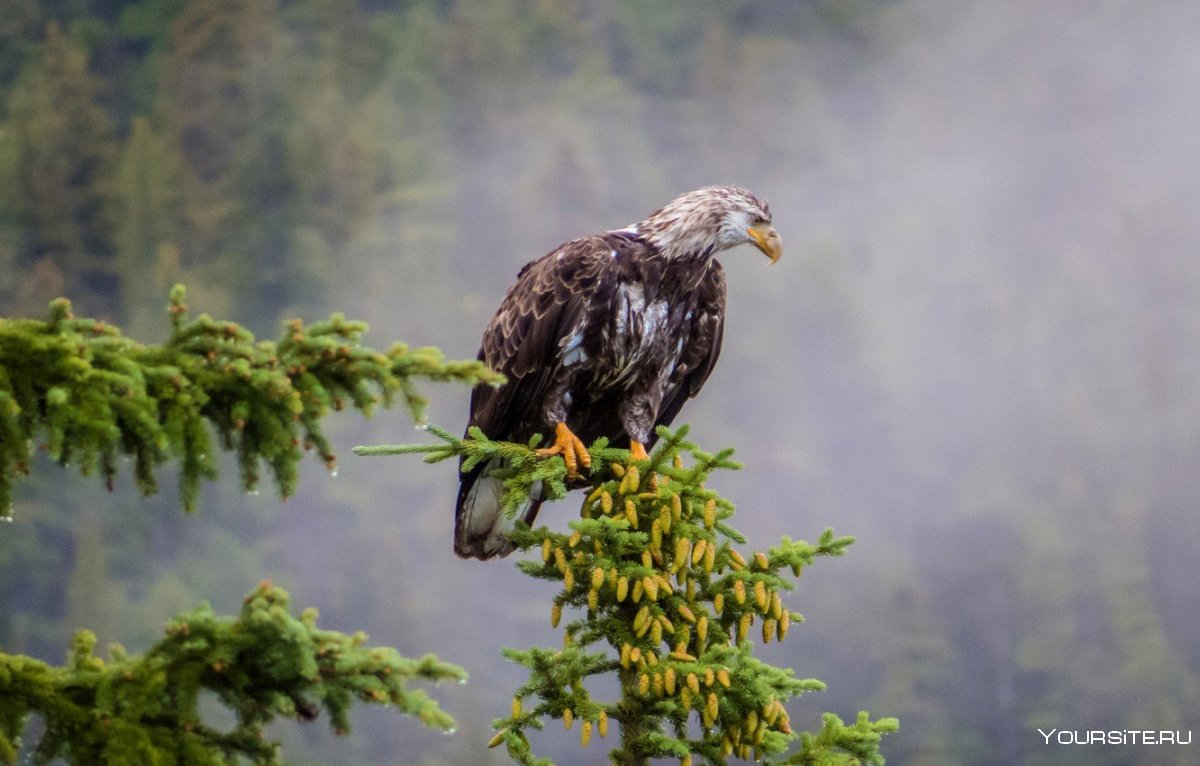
[[574, 452]]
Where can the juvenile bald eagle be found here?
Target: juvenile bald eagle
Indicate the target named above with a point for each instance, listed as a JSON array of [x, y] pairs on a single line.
[[606, 335]]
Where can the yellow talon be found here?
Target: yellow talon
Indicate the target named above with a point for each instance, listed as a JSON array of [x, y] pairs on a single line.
[[574, 452], [637, 451]]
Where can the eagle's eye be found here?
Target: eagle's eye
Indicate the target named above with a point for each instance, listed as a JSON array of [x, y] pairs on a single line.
[[758, 219]]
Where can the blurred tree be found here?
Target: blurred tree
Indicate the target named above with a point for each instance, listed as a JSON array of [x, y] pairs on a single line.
[[63, 196], [222, 113], [150, 227]]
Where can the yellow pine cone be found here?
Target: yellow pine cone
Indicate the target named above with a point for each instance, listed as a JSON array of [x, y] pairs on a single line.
[[669, 681], [768, 629], [639, 619], [625, 655], [761, 560], [560, 559], [555, 615], [602, 724], [656, 632], [516, 707], [698, 551], [693, 683], [568, 717], [723, 677], [709, 677], [710, 514], [686, 613], [585, 733], [606, 502], [635, 655], [618, 469], [719, 603], [631, 513], [569, 579], [668, 626], [658, 684], [687, 759], [546, 550], [622, 588], [574, 539], [632, 479], [676, 508], [497, 738], [760, 596], [776, 606], [785, 620], [637, 591], [768, 712], [710, 558], [713, 707], [650, 587], [702, 629], [593, 599], [739, 591], [736, 560], [744, 626], [685, 697], [664, 518], [644, 685], [656, 534], [597, 577], [683, 547], [664, 585], [647, 560]]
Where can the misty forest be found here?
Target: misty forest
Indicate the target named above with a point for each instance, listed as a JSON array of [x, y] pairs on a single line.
[[978, 355]]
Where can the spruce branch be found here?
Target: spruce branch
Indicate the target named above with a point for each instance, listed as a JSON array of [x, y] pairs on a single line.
[[87, 395], [837, 744], [666, 602], [262, 665]]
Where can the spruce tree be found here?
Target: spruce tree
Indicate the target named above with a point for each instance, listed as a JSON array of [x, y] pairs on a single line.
[[667, 604], [87, 395]]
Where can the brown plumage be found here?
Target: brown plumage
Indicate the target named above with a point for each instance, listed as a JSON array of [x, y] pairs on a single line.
[[609, 334]]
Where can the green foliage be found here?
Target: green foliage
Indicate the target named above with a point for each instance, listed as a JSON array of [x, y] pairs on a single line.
[[840, 745], [653, 568], [93, 395], [262, 665]]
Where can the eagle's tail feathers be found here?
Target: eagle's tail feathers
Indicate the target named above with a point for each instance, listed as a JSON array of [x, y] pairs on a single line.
[[481, 528]]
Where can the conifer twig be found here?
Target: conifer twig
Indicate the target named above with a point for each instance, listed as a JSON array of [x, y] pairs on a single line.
[[262, 665], [87, 395]]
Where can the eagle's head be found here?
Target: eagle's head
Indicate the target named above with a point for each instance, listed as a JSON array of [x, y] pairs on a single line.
[[706, 221]]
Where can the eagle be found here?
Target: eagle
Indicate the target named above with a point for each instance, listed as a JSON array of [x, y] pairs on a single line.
[[606, 335]]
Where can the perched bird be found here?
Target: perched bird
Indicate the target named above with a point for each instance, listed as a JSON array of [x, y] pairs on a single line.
[[606, 335]]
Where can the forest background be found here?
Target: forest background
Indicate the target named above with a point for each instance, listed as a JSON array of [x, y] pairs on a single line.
[[979, 354]]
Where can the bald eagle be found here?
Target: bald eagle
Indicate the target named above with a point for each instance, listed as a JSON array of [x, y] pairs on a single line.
[[606, 335]]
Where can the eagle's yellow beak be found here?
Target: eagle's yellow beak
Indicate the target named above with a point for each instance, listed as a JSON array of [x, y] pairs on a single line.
[[765, 238]]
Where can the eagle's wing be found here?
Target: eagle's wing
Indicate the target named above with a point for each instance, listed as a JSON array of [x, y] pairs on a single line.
[[541, 316], [527, 339], [701, 348]]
